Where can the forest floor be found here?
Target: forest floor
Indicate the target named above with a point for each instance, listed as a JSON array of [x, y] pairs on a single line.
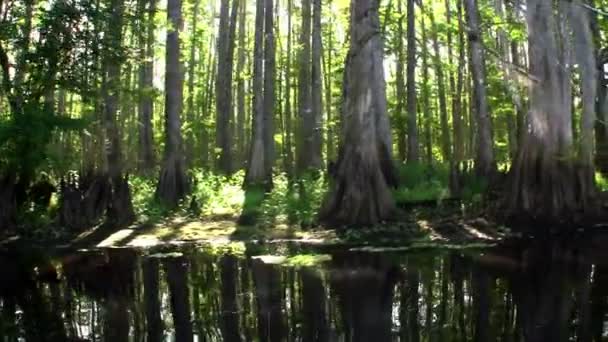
[[418, 229]]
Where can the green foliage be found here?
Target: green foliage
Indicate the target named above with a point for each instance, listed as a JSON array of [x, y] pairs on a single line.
[[601, 181], [24, 137], [421, 182], [146, 207]]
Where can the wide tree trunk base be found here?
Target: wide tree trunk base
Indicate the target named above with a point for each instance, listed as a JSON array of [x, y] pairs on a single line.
[[543, 188], [83, 200], [8, 203], [173, 184], [361, 194], [120, 208]]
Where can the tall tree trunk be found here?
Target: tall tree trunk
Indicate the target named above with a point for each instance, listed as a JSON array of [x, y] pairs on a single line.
[[173, 184], [446, 145], [120, 209], [457, 119], [288, 158], [365, 170], [585, 54], [223, 85], [425, 106], [317, 88], [256, 172], [146, 86], [305, 151], [189, 148], [328, 77], [400, 88], [269, 91], [240, 88], [485, 164], [413, 149], [545, 182]]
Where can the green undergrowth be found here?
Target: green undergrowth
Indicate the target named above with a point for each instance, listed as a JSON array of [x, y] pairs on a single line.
[[420, 183], [291, 202]]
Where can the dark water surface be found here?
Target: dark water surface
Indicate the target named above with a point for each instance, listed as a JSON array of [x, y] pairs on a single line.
[[546, 293]]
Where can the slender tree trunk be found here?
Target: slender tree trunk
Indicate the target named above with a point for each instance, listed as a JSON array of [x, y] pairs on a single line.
[[306, 150], [120, 209], [457, 120], [269, 89], [365, 170], [400, 87], [485, 164], [256, 172], [189, 148], [413, 149], [426, 108], [173, 184], [146, 86], [317, 88], [446, 144], [288, 158], [223, 85], [240, 90], [328, 77]]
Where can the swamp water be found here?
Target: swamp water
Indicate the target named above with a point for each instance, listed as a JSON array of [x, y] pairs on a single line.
[[293, 293]]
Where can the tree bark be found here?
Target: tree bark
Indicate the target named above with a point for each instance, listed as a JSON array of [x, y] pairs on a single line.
[[288, 126], [545, 183], [585, 54], [223, 85], [360, 193], [400, 87], [413, 149], [485, 164], [146, 87], [446, 144], [120, 209], [173, 184], [240, 88], [317, 88], [256, 171], [425, 106], [269, 89], [305, 151], [189, 148]]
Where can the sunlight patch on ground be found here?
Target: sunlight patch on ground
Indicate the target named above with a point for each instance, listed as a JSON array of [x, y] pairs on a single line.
[[476, 233], [426, 227], [182, 230], [116, 238]]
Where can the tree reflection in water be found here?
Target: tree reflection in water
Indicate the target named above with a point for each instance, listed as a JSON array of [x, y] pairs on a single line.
[[537, 293]]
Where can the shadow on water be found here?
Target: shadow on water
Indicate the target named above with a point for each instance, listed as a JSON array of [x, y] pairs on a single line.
[[531, 293]]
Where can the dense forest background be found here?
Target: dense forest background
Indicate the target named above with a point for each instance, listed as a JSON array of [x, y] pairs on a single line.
[[124, 99]]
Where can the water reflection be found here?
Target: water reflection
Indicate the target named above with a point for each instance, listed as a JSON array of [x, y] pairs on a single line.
[[518, 294]]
